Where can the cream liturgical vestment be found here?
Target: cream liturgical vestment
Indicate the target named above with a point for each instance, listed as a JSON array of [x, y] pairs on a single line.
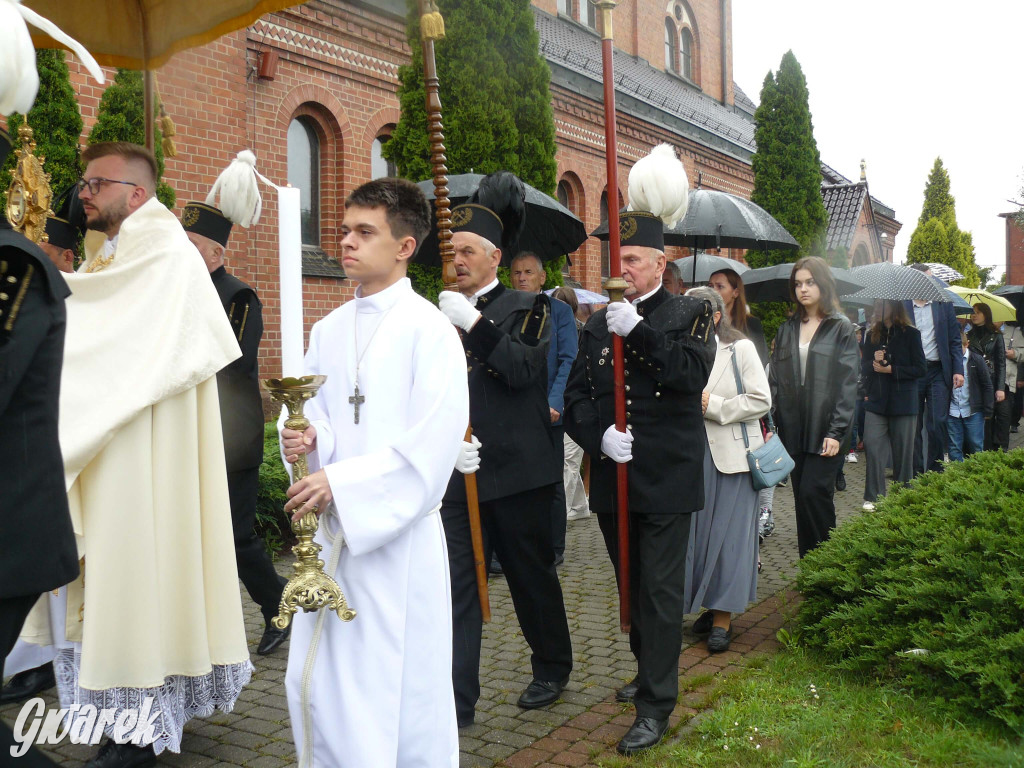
[[157, 611], [377, 691]]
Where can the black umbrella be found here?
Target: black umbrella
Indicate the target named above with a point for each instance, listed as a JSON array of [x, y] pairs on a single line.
[[896, 283], [550, 231], [1013, 294], [772, 283]]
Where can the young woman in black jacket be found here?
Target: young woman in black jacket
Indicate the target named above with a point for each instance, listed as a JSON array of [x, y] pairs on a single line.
[[813, 377], [892, 367], [987, 340]]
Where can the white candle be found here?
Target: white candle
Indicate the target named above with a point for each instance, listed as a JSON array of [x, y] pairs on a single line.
[[290, 239]]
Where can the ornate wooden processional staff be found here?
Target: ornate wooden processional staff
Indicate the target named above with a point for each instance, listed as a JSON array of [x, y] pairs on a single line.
[[431, 29], [616, 287]]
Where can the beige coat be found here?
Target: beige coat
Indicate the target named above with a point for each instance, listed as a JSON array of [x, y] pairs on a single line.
[[727, 409]]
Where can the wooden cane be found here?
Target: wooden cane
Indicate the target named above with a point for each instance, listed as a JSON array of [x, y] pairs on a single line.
[[431, 29]]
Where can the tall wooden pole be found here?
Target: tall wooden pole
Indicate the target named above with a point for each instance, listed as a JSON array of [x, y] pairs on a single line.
[[616, 287], [431, 29]]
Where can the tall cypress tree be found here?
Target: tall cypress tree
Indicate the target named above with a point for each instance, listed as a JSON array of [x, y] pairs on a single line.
[[937, 237], [121, 117], [56, 124], [787, 166]]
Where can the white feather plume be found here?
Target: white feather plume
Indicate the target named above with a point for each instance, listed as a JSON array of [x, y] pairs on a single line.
[[658, 185], [19, 80], [240, 199]]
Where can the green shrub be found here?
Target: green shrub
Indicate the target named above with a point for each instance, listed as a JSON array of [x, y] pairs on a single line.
[[272, 524], [939, 566]]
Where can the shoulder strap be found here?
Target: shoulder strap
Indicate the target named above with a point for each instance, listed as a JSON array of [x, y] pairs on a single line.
[[739, 391]]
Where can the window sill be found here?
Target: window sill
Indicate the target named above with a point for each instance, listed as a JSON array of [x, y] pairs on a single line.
[[683, 79]]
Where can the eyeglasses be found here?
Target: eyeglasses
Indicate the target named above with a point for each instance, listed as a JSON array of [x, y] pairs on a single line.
[[96, 184]]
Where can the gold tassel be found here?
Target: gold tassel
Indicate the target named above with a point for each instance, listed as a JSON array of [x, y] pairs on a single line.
[[431, 22], [169, 147], [167, 127]]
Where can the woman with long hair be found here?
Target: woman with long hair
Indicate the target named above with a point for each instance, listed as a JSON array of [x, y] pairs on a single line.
[[813, 375], [721, 555], [892, 368], [729, 285], [987, 340]]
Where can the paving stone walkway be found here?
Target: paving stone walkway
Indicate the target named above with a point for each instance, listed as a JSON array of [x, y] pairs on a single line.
[[581, 728]]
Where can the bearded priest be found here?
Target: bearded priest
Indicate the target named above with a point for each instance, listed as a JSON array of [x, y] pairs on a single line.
[[386, 429]]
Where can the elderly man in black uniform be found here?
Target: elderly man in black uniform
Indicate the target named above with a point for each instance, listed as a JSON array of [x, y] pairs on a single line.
[[505, 334], [241, 412], [37, 543], [669, 347]]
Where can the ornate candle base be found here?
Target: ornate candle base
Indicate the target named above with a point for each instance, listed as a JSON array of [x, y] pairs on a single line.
[[309, 588]]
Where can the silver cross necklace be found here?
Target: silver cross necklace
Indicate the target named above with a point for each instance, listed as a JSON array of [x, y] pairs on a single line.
[[357, 399]]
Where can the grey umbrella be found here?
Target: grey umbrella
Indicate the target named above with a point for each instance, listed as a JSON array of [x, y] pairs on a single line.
[[896, 283], [706, 266], [772, 283]]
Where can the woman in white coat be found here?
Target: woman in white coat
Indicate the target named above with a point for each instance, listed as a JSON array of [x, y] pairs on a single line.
[[721, 558]]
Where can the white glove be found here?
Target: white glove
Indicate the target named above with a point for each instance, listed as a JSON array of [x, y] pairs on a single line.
[[617, 446], [458, 309], [622, 317], [469, 456]]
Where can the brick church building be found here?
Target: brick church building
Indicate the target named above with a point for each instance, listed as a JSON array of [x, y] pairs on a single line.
[[313, 91]]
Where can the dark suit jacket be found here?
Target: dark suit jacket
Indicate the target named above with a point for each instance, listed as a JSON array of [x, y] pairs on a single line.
[[506, 355], [238, 385], [37, 543], [896, 393], [561, 353], [979, 385], [947, 337], [668, 358]]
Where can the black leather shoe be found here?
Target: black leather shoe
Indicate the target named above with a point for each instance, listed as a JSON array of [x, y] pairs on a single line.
[[540, 693], [627, 692], [841, 483], [495, 568], [719, 639], [27, 684], [113, 755], [643, 734], [703, 623], [559, 558], [1013, 429], [272, 639]]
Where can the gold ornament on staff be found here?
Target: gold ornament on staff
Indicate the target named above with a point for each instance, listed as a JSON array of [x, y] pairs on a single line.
[[309, 588], [29, 195]]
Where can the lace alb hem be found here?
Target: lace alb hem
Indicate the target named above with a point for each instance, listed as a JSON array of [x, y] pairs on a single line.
[[174, 703]]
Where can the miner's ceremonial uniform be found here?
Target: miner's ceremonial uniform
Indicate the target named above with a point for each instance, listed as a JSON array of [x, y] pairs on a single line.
[[668, 358], [506, 357]]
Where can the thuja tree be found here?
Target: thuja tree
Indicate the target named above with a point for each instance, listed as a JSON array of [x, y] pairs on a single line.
[[56, 124], [494, 90], [787, 173], [937, 237], [121, 117]]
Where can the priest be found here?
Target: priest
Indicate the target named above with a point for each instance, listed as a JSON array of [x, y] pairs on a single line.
[[156, 613], [386, 430]]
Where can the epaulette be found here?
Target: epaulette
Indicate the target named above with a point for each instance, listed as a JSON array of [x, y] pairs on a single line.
[[703, 327], [238, 314], [16, 274], [536, 321]]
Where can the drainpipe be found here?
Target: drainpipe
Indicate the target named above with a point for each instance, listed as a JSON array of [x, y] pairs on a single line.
[[723, 8]]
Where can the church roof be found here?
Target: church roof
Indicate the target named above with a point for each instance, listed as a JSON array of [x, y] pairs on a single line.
[[574, 55], [844, 203]]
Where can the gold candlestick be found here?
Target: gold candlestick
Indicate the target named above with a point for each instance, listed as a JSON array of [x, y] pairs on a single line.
[[309, 588]]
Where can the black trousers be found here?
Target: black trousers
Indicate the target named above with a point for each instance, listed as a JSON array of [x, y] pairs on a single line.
[[997, 429], [559, 521], [518, 530], [814, 486], [657, 575], [933, 410], [255, 568], [1018, 406], [13, 612]]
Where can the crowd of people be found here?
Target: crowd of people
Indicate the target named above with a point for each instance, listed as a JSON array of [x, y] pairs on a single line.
[[147, 480]]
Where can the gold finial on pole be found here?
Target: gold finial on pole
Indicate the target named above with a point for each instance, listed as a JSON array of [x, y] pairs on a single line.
[[431, 22], [309, 588], [29, 195]]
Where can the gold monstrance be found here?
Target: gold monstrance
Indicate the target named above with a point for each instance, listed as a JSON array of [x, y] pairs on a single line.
[[309, 588]]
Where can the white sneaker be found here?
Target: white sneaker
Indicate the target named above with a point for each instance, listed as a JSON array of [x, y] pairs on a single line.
[[851, 457], [574, 515], [868, 506]]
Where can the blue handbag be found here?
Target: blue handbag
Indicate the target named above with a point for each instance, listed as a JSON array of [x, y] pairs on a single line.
[[770, 463]]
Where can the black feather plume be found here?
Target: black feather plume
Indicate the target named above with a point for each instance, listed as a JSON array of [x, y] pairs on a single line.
[[505, 194]]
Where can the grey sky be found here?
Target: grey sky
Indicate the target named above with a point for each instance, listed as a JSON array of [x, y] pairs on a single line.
[[899, 83]]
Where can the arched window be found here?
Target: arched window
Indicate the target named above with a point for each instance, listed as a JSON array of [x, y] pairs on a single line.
[[379, 165], [671, 59], [564, 196], [606, 269], [304, 173], [686, 54]]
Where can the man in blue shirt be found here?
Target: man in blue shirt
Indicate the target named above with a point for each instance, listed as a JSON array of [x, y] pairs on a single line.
[[970, 405]]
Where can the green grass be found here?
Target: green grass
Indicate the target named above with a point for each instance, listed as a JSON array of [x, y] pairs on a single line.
[[792, 711]]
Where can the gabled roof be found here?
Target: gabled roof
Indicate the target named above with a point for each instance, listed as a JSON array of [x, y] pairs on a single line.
[[743, 101], [844, 203], [574, 55], [830, 175]]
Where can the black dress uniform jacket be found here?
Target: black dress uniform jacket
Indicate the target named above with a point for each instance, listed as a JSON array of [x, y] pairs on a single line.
[[241, 407], [37, 543], [506, 356], [668, 357]]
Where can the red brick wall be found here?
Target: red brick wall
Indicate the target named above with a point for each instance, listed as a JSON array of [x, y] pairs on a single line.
[[1014, 251]]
